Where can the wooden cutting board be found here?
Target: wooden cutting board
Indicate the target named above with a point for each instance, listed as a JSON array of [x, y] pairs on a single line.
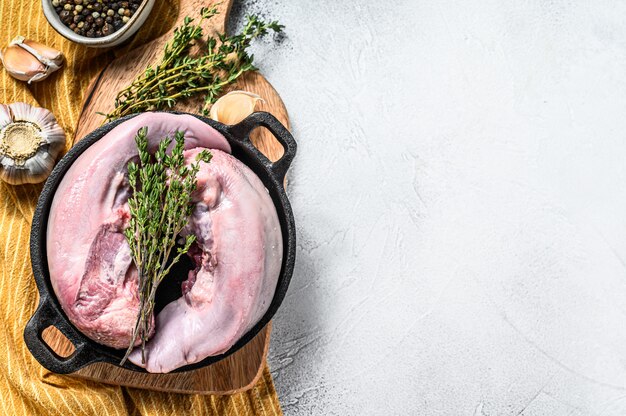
[[241, 370]]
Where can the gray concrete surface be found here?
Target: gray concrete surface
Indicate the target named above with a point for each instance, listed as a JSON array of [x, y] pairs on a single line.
[[460, 192]]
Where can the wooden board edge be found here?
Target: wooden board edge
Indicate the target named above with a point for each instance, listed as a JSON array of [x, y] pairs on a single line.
[[84, 375]]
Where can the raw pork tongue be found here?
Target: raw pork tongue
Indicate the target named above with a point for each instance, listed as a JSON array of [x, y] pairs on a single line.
[[89, 260], [238, 251], [238, 258]]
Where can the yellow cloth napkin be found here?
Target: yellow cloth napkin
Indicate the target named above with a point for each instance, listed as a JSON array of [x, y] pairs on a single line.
[[26, 388]]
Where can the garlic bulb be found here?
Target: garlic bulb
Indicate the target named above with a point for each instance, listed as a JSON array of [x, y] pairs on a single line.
[[234, 107], [30, 142], [30, 61]]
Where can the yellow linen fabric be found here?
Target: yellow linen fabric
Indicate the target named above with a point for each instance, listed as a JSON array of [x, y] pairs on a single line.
[[26, 388]]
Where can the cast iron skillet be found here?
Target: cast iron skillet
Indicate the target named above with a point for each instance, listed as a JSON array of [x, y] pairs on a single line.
[[49, 312]]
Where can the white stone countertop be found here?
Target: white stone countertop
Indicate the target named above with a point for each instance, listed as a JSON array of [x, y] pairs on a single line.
[[460, 195]]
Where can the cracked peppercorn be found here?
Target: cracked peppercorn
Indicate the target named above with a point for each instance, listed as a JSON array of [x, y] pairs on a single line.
[[107, 29]]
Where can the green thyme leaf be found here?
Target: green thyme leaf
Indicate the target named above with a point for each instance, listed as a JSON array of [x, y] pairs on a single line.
[[179, 75], [159, 206]]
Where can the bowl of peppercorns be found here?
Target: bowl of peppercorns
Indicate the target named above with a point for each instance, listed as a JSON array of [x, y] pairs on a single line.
[[97, 23]]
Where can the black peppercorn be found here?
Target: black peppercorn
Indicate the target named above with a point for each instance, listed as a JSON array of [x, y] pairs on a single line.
[[95, 18]]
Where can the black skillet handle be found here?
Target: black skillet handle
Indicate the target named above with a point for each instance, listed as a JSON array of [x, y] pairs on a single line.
[[244, 128], [43, 317]]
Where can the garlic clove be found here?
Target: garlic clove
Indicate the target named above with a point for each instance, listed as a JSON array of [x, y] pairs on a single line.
[[45, 54], [234, 107], [30, 143], [21, 64], [38, 168], [34, 170], [5, 115], [30, 61]]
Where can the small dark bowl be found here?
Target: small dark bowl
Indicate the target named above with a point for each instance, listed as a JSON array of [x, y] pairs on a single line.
[[49, 311]]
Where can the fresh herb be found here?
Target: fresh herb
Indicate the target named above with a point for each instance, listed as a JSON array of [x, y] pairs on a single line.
[[180, 75], [159, 208]]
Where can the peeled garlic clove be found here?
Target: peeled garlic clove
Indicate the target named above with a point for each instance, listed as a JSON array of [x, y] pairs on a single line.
[[30, 143], [234, 107], [30, 61]]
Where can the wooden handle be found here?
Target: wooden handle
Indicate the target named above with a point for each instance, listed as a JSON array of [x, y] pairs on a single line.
[[192, 8]]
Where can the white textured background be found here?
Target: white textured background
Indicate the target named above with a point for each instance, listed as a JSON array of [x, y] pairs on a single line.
[[460, 192]]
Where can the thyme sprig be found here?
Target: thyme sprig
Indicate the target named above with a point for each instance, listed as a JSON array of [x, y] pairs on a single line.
[[180, 75], [159, 207]]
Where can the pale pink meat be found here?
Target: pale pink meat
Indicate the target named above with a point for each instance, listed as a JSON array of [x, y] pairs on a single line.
[[240, 242], [239, 251]]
